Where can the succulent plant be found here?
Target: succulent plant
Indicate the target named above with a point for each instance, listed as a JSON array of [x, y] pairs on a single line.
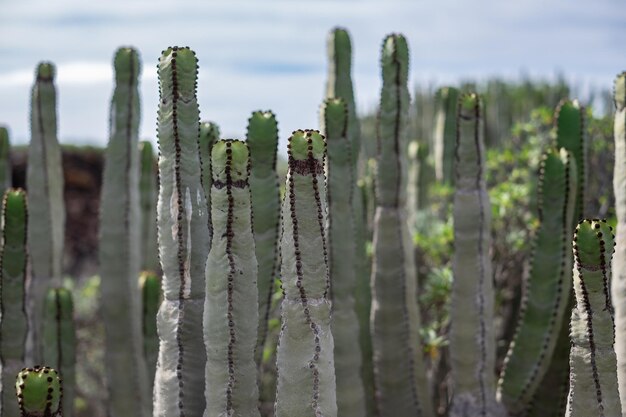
[[209, 134], [148, 199], [444, 136], [39, 392], [150, 287], [5, 160]]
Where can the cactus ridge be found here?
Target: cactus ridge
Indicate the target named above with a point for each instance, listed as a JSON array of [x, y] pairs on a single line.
[[209, 133], [39, 398]]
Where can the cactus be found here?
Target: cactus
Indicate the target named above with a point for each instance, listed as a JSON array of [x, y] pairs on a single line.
[[306, 370], [150, 286], [59, 336], [5, 160], [209, 134], [593, 377], [262, 139], [183, 240], [44, 181], [570, 134], [339, 85], [119, 247], [548, 285], [345, 324], [13, 320], [472, 338], [400, 377], [39, 392], [147, 199], [618, 283], [444, 136], [230, 308]]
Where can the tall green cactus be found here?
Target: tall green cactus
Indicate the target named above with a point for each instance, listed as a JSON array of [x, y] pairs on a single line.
[[120, 254], [150, 286], [230, 309], [401, 385], [306, 370], [39, 392], [345, 324], [148, 199], [444, 136], [59, 337], [44, 181], [209, 134], [183, 240], [339, 85], [472, 338], [5, 160], [13, 320], [593, 366], [547, 285], [262, 139], [618, 284]]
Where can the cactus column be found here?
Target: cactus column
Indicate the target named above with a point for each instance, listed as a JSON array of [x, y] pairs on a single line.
[[593, 387], [230, 309], [44, 181], [39, 392], [306, 370], [13, 323], [5, 160], [148, 198], [183, 241], [209, 134], [400, 377], [445, 133], [472, 339]]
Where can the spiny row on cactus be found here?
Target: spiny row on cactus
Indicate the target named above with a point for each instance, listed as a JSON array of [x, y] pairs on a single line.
[[39, 392], [209, 134]]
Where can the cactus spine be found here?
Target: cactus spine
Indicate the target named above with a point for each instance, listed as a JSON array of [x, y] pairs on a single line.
[[445, 133], [13, 320], [548, 284], [593, 377], [306, 370], [401, 385], [345, 324], [472, 339], [150, 287], [339, 85], [119, 247], [39, 392], [262, 139], [59, 336], [209, 134], [230, 309], [44, 181], [148, 198], [5, 160], [183, 240]]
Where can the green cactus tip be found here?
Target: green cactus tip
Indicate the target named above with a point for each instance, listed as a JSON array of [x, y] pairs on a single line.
[[593, 238], [39, 392], [305, 144], [46, 71], [229, 161], [127, 65]]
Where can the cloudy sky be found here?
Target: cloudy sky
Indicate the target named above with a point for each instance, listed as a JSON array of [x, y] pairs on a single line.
[[270, 54]]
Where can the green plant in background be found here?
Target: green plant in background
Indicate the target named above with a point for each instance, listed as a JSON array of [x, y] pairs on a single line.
[[183, 240], [472, 338], [306, 369], [548, 284], [209, 134], [401, 385], [44, 181], [444, 136], [593, 387], [5, 160], [39, 392], [147, 199], [262, 140], [120, 252], [618, 284], [59, 336], [13, 323], [231, 305], [345, 324], [150, 287]]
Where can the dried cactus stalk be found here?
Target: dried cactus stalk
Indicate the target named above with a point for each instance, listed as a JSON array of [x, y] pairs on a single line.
[[39, 392], [230, 309], [400, 377], [150, 287], [306, 370], [472, 338], [120, 255], [209, 134], [148, 199], [183, 241], [345, 323], [262, 139], [59, 336], [547, 285], [593, 387], [44, 181], [13, 320], [445, 133]]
